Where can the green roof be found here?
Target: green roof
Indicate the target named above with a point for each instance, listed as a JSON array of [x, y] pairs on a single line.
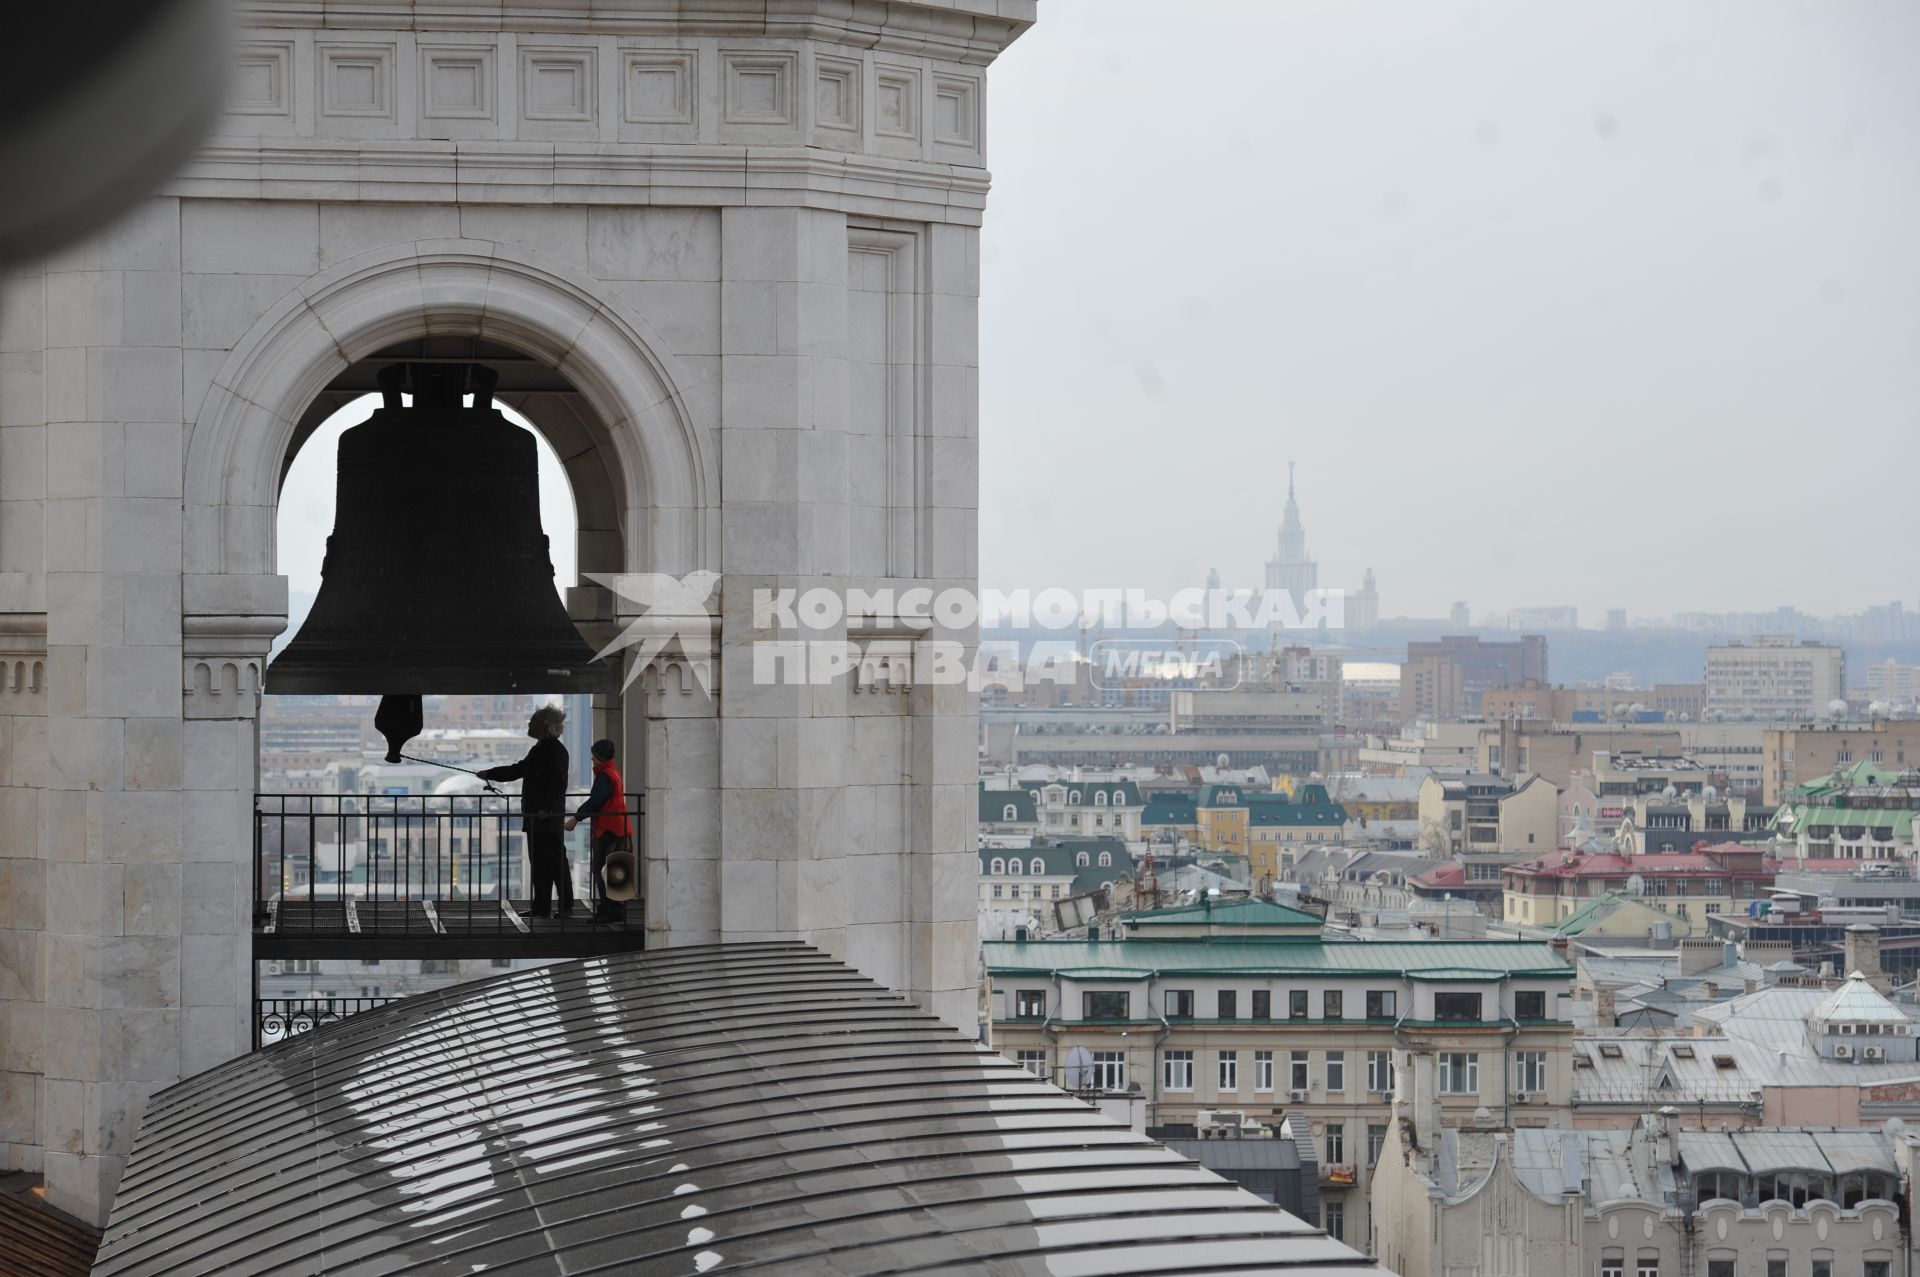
[[1169, 809], [994, 804], [1588, 914], [1277, 956], [1233, 913]]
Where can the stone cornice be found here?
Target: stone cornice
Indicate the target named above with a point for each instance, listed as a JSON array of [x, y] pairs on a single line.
[[581, 173], [970, 31]]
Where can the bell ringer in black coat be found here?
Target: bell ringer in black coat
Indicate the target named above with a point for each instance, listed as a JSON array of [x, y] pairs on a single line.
[[543, 775]]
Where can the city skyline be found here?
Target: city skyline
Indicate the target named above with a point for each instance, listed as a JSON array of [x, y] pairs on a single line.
[[1511, 284]]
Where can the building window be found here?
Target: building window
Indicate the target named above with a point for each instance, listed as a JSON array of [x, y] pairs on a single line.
[[1080, 859], [1876, 1268], [1336, 1070], [1456, 1006], [1724, 1268], [1297, 1004], [998, 868], [1376, 1140], [1229, 1070], [1381, 1003], [1009, 812], [1034, 1062], [1459, 1073], [1823, 1268], [1776, 1266], [1530, 1072], [1263, 1070], [1297, 1071], [1330, 1004], [998, 891], [1380, 1071], [1176, 1071], [1530, 1005], [1106, 860], [1030, 1004], [1336, 1143], [1100, 1005], [1014, 890], [1229, 1005], [1648, 1268], [1179, 1004], [1262, 1004], [1613, 1266], [1333, 1218], [1109, 1070]]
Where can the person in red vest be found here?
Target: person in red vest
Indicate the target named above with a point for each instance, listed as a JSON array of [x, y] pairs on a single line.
[[606, 806]]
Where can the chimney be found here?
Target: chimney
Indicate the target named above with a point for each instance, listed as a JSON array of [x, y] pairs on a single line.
[[1752, 985], [1699, 954], [1863, 950], [1603, 1013], [1713, 989], [1426, 1101], [1663, 1139]]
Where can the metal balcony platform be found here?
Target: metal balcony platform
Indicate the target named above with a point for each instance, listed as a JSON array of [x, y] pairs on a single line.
[[409, 929]]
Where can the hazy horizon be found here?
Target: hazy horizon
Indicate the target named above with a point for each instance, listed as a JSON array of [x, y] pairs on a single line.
[[1601, 305]]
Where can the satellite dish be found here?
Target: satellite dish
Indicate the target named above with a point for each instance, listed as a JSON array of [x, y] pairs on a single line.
[[1079, 1069], [1636, 885], [1837, 708], [1670, 792], [1221, 762]]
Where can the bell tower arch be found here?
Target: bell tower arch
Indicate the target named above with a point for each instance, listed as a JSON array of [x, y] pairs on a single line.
[[744, 245]]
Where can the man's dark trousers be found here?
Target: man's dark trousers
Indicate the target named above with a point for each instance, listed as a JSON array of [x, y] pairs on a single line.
[[547, 859]]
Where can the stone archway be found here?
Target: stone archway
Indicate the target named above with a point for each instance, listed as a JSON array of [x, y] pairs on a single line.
[[609, 354], [636, 453]]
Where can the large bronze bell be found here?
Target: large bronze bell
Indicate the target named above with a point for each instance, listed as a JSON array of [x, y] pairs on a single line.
[[437, 577]]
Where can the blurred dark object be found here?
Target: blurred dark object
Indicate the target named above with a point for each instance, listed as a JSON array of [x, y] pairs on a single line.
[[437, 577], [102, 101], [399, 719]]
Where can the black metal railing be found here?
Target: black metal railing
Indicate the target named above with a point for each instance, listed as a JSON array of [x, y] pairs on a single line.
[[277, 1019], [409, 864]]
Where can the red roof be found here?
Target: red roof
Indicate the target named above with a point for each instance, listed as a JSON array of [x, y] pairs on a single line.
[[1446, 875], [1573, 864]]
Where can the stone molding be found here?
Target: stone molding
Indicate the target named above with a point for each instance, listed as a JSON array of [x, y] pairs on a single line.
[[969, 31], [23, 663], [614, 174], [223, 658]]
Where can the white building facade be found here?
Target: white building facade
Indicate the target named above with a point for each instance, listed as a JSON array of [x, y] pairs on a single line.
[[732, 247]]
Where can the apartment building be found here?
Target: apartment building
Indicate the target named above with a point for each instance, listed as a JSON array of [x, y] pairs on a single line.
[[1270, 829], [1545, 890], [1792, 756], [1447, 677], [1087, 808], [1774, 678], [1316, 1030], [1652, 1201], [1490, 815]]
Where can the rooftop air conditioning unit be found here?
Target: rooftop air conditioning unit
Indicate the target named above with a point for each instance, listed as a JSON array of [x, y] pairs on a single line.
[[1876, 1053], [1843, 1051], [1298, 1097]]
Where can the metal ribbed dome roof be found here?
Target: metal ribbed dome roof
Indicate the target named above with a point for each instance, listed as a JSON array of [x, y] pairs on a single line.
[[746, 1108]]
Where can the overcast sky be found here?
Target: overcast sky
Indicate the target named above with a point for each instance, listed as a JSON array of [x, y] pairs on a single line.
[[1610, 304]]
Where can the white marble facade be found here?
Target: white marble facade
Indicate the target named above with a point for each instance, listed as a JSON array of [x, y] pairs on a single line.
[[747, 237]]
